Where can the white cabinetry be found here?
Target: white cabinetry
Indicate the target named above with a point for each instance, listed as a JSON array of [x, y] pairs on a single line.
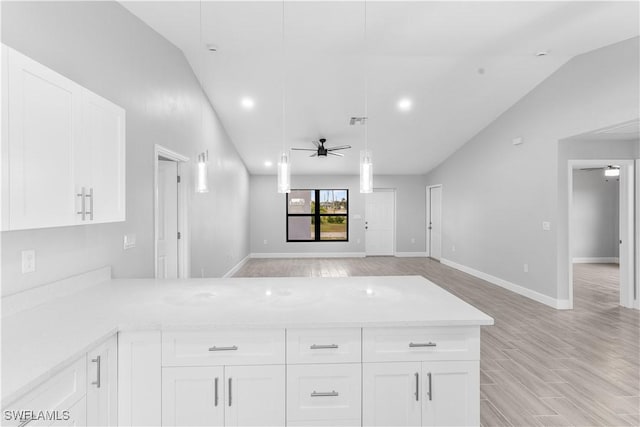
[[59, 138], [421, 376], [102, 386]]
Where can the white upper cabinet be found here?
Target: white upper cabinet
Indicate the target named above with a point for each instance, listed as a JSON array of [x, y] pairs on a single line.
[[59, 139], [43, 127]]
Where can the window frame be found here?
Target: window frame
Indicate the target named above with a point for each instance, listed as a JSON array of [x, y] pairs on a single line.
[[316, 216]]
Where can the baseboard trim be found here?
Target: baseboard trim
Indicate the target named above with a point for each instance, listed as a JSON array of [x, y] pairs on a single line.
[[236, 267], [520, 290], [411, 254], [15, 303], [596, 260], [308, 255]]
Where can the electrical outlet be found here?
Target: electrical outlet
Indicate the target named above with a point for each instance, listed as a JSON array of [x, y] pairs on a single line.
[[413, 240], [546, 225], [453, 248], [358, 241], [526, 268], [28, 261], [265, 241], [129, 241]]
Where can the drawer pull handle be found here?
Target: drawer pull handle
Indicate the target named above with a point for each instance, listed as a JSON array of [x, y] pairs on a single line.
[[325, 394], [97, 362], [232, 348], [230, 391], [322, 346], [215, 398], [422, 344], [417, 387], [430, 393]]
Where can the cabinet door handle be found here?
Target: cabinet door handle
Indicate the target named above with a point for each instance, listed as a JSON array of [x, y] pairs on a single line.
[[230, 391], [232, 348], [322, 346], [417, 386], [82, 212], [325, 393], [90, 197], [97, 362], [430, 394], [422, 344], [215, 395]]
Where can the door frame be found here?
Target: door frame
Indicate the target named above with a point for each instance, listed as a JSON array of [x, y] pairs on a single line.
[[395, 215], [428, 217], [183, 225], [628, 291]]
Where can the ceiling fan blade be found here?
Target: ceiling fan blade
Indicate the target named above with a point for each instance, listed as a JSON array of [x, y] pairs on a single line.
[[314, 155], [316, 143], [304, 149], [339, 147], [591, 169], [335, 154]]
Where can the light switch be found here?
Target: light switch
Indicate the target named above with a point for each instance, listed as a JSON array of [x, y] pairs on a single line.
[[28, 261], [546, 225]]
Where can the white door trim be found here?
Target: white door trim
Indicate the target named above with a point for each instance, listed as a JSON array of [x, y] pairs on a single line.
[[627, 233], [183, 242], [428, 217]]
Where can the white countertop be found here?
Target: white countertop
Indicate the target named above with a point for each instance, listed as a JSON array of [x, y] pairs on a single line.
[[36, 343]]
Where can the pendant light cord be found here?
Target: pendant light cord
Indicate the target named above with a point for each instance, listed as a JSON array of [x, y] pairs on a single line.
[[366, 84], [284, 84]]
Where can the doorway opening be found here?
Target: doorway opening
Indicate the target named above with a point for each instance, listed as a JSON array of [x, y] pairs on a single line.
[[380, 222], [434, 222], [170, 215], [601, 229]]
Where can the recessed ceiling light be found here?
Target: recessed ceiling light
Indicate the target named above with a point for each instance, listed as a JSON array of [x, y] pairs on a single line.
[[405, 104], [268, 163], [248, 103], [542, 53]]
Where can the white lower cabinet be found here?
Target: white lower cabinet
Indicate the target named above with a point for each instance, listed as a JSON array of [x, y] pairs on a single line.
[[102, 386], [445, 393], [223, 396], [324, 394]]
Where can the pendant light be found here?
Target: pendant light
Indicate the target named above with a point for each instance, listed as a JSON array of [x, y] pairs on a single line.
[[366, 164], [284, 164], [202, 173]]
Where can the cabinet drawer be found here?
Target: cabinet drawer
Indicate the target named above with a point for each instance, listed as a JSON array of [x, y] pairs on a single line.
[[59, 393], [324, 394], [323, 345], [416, 344], [223, 347]]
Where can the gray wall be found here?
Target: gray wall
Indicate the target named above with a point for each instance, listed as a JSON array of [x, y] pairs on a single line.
[[496, 195], [268, 213], [595, 215], [103, 47]]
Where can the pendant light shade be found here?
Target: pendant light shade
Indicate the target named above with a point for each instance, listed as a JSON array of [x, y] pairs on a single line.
[[366, 172], [284, 173], [202, 174]]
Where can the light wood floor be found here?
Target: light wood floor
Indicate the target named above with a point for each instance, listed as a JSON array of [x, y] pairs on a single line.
[[539, 366]]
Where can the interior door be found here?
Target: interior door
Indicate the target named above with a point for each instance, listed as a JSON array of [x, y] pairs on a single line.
[[167, 240], [379, 223], [434, 222], [391, 394], [255, 395], [193, 396]]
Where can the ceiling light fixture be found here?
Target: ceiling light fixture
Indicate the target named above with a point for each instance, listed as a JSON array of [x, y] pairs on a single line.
[[366, 164], [612, 171], [268, 163], [405, 104], [248, 103], [284, 165]]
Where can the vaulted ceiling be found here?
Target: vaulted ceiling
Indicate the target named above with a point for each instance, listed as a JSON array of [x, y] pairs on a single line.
[[460, 64]]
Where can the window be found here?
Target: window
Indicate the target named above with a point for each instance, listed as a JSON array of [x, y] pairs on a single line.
[[317, 216]]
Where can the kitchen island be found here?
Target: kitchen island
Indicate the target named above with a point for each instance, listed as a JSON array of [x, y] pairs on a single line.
[[301, 351]]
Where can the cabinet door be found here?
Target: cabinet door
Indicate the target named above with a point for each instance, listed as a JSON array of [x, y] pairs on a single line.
[[100, 159], [451, 393], [139, 379], [255, 395], [390, 394], [102, 384], [77, 416], [43, 127], [193, 396]]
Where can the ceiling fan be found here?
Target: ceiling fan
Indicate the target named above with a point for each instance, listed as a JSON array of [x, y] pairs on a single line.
[[322, 151]]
